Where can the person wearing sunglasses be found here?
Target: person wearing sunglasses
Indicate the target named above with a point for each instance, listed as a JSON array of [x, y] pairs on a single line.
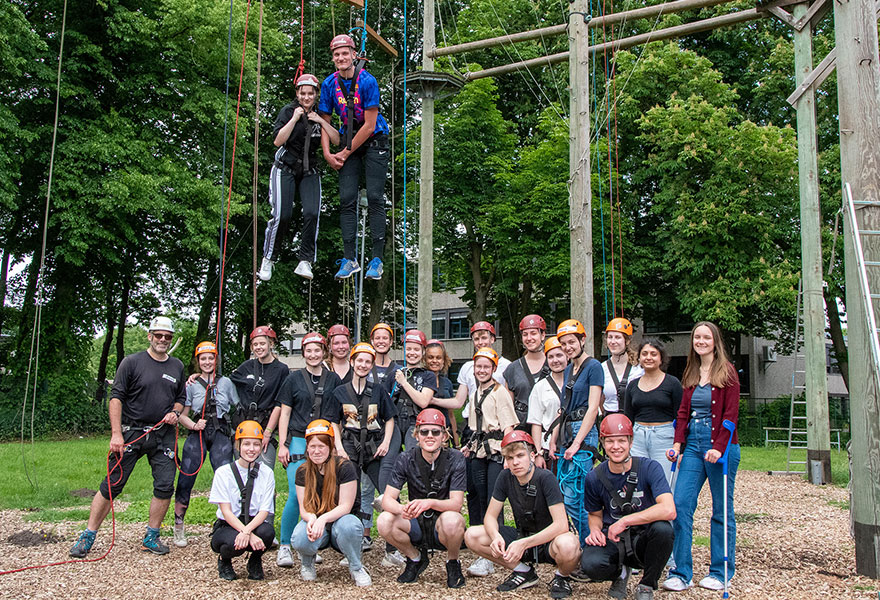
[[436, 480], [148, 394]]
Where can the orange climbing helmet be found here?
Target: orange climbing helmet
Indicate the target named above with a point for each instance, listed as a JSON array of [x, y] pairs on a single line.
[[206, 348], [552, 342], [487, 353], [362, 347], [319, 427], [620, 324], [248, 430], [384, 326], [570, 326]]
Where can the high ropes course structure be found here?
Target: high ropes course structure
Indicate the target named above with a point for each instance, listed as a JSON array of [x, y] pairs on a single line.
[[856, 61]]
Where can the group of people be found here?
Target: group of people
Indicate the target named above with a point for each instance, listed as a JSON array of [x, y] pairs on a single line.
[[301, 128], [353, 422]]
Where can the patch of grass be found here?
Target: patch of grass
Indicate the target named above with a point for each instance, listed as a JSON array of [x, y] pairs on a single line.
[[842, 504], [864, 588], [54, 515], [758, 458], [702, 540], [749, 517]]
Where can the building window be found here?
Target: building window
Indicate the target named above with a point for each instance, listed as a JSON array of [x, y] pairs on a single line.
[[459, 329], [438, 327]]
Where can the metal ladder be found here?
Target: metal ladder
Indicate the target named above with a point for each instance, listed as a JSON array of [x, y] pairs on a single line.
[[796, 455]]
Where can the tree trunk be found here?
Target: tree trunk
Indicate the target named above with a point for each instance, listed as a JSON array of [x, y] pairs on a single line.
[[25, 318], [379, 294], [838, 343], [508, 327], [206, 308], [4, 273], [123, 315], [101, 378]]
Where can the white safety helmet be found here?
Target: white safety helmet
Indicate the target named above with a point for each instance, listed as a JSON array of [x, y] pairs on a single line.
[[162, 324]]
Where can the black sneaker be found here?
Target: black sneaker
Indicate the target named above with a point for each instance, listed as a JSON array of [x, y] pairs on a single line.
[[519, 581], [413, 569], [579, 576], [618, 586], [560, 587], [255, 567], [224, 568], [454, 576]]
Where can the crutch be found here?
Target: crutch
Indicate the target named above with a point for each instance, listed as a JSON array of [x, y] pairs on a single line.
[[731, 427], [673, 467]]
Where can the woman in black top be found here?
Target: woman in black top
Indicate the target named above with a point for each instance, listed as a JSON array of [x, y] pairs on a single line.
[[651, 403], [298, 132]]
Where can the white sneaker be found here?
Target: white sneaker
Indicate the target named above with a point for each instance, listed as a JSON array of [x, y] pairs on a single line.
[[179, 536], [343, 562], [361, 577], [304, 269], [377, 503], [265, 272], [710, 583], [481, 568], [284, 557], [308, 573], [393, 559], [676, 584], [318, 559]]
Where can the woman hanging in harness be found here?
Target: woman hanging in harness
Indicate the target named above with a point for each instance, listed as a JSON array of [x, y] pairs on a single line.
[[575, 432], [326, 489], [298, 132], [244, 493], [353, 94], [302, 401], [212, 399], [415, 385]]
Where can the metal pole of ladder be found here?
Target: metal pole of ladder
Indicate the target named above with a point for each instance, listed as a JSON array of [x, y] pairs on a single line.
[[797, 424], [362, 204], [866, 295]]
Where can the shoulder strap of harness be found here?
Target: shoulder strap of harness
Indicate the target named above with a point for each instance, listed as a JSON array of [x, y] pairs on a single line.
[[481, 436], [349, 100], [209, 407], [619, 383], [246, 489], [363, 408], [317, 395], [565, 398], [622, 499], [526, 496]]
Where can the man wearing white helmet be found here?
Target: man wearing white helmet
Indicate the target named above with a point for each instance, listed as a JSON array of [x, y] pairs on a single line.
[[298, 132], [146, 400]]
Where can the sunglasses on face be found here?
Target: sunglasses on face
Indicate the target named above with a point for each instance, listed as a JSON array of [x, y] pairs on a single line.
[[163, 336], [431, 432]]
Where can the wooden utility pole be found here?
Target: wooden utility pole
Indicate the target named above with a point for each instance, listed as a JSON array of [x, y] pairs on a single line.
[[818, 466], [426, 183], [858, 87], [579, 197]]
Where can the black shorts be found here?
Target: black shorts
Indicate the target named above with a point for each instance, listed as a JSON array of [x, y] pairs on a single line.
[[416, 533], [538, 554], [158, 447]]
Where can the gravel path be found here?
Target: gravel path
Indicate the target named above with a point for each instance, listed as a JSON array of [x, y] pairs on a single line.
[[793, 543]]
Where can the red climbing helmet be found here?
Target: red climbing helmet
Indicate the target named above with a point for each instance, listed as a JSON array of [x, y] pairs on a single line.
[[308, 79], [338, 329], [313, 338], [431, 416], [415, 336], [616, 424], [533, 322], [517, 436], [343, 40], [263, 330], [482, 326]]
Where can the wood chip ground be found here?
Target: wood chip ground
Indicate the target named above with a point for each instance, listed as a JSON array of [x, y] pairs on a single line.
[[793, 543]]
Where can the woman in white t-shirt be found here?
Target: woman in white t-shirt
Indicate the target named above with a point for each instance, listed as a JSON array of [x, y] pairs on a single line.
[[544, 403], [240, 529], [622, 365]]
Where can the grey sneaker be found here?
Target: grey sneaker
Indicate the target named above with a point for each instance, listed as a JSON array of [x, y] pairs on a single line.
[[481, 568], [361, 577], [307, 569], [179, 536], [618, 586], [284, 557], [83, 544], [393, 559], [644, 592]]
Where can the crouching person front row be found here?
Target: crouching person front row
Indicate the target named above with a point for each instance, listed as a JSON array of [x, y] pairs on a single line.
[[435, 477], [244, 492], [630, 513], [542, 532]]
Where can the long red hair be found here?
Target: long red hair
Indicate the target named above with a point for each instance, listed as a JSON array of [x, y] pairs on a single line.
[[324, 500]]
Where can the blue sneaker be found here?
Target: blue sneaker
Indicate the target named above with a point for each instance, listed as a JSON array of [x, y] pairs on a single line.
[[347, 268], [374, 269], [153, 544], [83, 544]]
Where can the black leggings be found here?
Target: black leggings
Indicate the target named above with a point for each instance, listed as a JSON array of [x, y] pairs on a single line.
[[223, 539]]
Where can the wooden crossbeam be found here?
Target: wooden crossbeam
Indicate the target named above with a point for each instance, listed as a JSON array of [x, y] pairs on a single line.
[[383, 43], [815, 13], [356, 3]]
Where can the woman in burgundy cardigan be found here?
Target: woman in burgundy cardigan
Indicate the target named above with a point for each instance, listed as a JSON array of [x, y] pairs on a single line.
[[711, 395]]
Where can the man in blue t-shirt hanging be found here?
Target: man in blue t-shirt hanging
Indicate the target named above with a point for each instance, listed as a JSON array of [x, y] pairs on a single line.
[[353, 94], [630, 512]]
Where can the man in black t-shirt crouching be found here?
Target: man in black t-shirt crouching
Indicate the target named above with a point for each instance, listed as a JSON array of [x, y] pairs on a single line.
[[147, 397], [542, 532], [631, 509], [435, 477]]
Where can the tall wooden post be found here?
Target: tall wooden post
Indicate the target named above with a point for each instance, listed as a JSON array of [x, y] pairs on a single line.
[[858, 87], [818, 465], [426, 183], [580, 201]]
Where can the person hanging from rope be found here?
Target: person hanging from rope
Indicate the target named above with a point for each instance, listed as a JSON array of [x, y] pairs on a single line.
[[298, 132], [340, 345], [353, 94], [302, 401], [367, 418], [212, 400], [574, 431], [622, 365], [145, 402], [326, 489], [522, 375], [630, 509], [544, 403], [438, 362], [258, 381], [492, 416], [435, 477], [244, 492], [415, 385], [384, 372], [542, 531]]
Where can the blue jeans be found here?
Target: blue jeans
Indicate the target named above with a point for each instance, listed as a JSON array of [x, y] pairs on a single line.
[[693, 472], [344, 534], [654, 441], [572, 474], [291, 509]]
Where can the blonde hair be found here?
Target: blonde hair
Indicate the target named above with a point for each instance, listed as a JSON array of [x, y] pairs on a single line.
[[632, 356], [719, 371]]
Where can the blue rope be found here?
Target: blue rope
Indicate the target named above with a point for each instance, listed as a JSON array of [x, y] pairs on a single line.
[[405, 15], [364, 30], [581, 460]]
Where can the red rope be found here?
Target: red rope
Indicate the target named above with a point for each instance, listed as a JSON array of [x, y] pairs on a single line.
[[302, 29], [232, 172], [202, 452], [112, 512]]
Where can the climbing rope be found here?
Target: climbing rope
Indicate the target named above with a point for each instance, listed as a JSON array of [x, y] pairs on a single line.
[[257, 160], [405, 55], [300, 69]]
